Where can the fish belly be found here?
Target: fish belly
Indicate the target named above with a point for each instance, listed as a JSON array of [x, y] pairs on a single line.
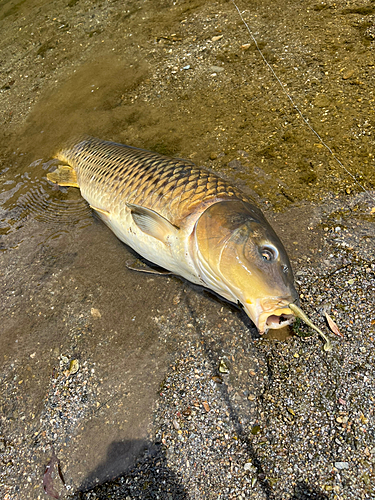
[[175, 257]]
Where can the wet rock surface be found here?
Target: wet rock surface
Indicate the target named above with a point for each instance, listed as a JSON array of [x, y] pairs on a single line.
[[130, 385]]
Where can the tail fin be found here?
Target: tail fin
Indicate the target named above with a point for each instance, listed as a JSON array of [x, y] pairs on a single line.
[[64, 176]]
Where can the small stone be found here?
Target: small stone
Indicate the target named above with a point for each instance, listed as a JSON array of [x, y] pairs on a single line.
[[342, 465], [95, 313], [348, 74], [213, 156], [217, 38], [248, 466], [216, 69], [176, 425]]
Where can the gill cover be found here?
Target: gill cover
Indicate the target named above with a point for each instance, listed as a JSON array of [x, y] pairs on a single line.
[[242, 259]]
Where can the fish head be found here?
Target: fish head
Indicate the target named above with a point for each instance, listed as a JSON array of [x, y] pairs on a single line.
[[242, 259]]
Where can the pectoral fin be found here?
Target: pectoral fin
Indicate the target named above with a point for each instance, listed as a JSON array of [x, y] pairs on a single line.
[[140, 266], [64, 175], [152, 223]]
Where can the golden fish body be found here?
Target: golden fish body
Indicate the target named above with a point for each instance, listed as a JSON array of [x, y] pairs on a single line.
[[187, 220]]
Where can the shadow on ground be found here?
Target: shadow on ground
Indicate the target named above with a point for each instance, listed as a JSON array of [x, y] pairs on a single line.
[[304, 492], [149, 478]]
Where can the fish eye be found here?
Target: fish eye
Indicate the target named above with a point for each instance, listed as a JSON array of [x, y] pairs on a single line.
[[268, 253]]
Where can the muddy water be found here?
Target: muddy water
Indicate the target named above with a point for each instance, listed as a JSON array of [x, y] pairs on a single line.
[[180, 78]]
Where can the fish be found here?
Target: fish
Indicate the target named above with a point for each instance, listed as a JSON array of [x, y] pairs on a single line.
[[187, 220]]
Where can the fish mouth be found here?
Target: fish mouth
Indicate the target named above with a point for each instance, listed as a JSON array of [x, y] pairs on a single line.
[[266, 317], [275, 320]]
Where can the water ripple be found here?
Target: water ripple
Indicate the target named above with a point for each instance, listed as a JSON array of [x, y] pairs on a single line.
[[29, 195]]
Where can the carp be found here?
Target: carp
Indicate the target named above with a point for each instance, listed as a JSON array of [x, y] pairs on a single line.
[[187, 220]]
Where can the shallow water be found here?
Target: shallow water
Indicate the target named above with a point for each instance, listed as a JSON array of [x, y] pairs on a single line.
[[146, 74]]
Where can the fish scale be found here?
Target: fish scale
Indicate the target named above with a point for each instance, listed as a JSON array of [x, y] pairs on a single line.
[[110, 174]]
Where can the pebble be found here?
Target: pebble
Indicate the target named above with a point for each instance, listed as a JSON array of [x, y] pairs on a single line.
[[342, 465], [348, 74], [217, 69], [95, 313]]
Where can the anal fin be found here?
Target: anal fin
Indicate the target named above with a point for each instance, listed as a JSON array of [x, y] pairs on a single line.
[[64, 175]]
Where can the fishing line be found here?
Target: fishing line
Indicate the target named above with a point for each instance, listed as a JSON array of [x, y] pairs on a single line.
[[297, 108]]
